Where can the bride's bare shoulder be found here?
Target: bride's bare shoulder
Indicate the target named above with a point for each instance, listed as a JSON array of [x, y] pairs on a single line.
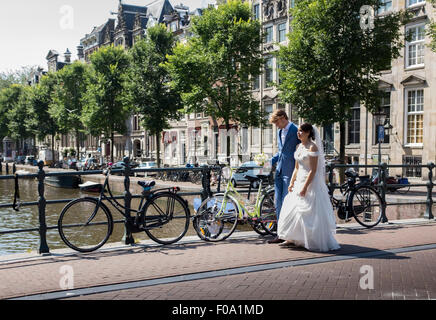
[[313, 147]]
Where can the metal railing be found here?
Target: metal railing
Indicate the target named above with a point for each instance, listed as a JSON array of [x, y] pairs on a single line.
[[127, 196], [205, 190], [383, 186]]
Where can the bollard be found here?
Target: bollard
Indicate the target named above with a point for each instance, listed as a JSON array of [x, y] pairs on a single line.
[[128, 237], [7, 168], [428, 211], [382, 180], [1, 167], [14, 168], [43, 247]]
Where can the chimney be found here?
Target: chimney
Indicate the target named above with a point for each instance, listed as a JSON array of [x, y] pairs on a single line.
[[80, 53], [67, 55]]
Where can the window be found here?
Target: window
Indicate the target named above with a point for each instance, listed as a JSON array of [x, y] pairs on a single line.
[[268, 131], [415, 116], [412, 171], [415, 47], [268, 34], [256, 83], [354, 125], [413, 2], [386, 5], [281, 32], [268, 72], [256, 11], [292, 3], [385, 107]]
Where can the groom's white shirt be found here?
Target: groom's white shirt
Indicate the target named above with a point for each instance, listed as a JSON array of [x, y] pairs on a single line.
[[285, 133]]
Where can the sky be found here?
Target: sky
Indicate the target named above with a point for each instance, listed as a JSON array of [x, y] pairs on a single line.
[[29, 29]]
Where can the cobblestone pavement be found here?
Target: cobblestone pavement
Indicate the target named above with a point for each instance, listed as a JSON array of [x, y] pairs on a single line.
[[335, 275]]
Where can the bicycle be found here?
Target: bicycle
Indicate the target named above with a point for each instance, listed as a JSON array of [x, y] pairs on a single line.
[[85, 224], [218, 215], [363, 202]]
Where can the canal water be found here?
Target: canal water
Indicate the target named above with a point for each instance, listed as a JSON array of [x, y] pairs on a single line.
[[27, 217]]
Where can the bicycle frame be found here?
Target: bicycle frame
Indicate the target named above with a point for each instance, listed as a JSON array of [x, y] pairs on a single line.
[[231, 190]]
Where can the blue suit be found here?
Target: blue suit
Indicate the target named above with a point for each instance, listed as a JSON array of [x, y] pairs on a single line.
[[285, 165]]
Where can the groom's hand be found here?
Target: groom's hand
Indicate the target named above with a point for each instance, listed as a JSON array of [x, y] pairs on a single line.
[[291, 187]]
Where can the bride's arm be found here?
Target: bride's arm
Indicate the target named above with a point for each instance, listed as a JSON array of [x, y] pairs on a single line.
[[313, 166], [294, 176]]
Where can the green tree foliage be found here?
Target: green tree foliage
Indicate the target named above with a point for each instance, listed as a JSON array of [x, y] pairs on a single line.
[[20, 76], [68, 99], [40, 121], [152, 97], [213, 69], [330, 63], [107, 99], [432, 29]]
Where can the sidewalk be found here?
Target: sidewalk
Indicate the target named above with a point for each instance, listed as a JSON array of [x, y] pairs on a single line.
[[402, 257]]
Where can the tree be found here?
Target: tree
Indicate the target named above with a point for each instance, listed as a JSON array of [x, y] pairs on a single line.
[[330, 63], [40, 122], [107, 99], [68, 99], [20, 76], [151, 95], [214, 69], [14, 112]]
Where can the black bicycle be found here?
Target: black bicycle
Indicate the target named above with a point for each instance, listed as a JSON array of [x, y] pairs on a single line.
[[85, 224], [362, 201]]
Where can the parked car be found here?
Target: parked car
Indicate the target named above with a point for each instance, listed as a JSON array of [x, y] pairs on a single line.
[[247, 168], [146, 165], [30, 160], [20, 159]]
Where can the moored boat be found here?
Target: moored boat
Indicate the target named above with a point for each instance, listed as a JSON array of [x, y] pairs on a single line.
[[70, 182]]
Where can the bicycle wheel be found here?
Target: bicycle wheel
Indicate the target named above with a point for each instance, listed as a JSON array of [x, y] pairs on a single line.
[[80, 229], [166, 218], [366, 206], [268, 214], [213, 224]]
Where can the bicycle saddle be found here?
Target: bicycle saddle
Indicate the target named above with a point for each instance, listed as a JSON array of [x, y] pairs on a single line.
[[147, 184]]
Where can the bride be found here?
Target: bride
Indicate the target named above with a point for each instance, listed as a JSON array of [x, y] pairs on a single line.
[[307, 218]]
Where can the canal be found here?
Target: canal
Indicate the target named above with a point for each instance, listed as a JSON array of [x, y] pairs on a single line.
[[27, 217]]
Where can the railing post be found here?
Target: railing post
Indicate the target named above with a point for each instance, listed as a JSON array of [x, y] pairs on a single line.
[[428, 211], [1, 166], [128, 237], [7, 168], [14, 168], [43, 247], [382, 180], [205, 181], [330, 166]]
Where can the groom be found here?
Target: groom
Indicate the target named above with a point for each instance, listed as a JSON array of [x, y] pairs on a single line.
[[287, 141]]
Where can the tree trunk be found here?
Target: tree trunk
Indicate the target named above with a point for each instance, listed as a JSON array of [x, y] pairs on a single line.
[[342, 151], [77, 145], [158, 149], [112, 147], [52, 148]]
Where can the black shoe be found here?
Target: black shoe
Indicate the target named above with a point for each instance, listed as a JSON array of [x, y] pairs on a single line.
[[276, 240]]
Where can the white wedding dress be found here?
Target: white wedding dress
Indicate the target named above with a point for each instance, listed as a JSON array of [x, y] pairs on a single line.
[[309, 221]]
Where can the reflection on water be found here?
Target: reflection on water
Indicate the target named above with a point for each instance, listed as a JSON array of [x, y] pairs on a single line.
[[28, 218]]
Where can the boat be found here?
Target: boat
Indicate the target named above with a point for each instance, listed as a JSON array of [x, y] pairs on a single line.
[[90, 186], [70, 182]]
